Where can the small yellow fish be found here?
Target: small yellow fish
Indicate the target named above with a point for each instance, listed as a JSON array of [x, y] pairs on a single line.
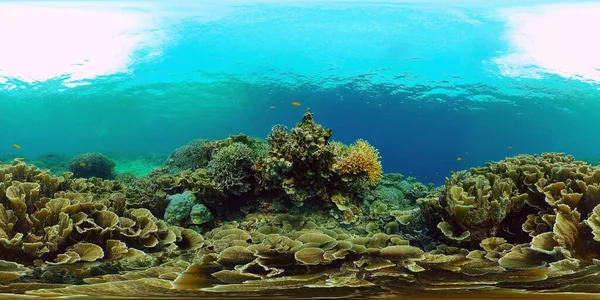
[[271, 107], [509, 147], [16, 146], [296, 104], [452, 172], [82, 164], [458, 158]]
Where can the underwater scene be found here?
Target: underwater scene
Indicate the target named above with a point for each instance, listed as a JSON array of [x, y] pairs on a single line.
[[263, 149]]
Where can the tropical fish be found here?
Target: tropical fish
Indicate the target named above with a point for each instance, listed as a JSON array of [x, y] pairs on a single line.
[[509, 147], [50, 155], [271, 107], [458, 158], [82, 164], [16, 146], [452, 172], [296, 104]]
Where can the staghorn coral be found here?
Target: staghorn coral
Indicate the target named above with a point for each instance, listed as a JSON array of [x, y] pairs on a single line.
[[92, 164]]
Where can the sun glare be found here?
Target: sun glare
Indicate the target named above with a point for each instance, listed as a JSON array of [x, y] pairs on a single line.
[[41, 41], [557, 39]]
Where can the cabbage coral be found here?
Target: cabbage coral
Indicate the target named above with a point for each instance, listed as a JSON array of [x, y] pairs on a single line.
[[361, 157]]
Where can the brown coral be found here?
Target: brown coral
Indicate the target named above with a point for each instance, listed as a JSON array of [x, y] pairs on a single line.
[[52, 226], [358, 158]]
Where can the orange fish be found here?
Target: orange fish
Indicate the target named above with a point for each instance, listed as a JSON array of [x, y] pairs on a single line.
[[271, 107], [82, 164], [296, 104], [16, 146], [458, 158]]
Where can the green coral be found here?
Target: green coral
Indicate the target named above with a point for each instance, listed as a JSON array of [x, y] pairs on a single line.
[[198, 153], [192, 156], [200, 214], [183, 209], [179, 207], [92, 164], [400, 193], [231, 168]]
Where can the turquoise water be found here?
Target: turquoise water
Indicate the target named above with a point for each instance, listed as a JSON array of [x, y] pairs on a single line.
[[425, 82]]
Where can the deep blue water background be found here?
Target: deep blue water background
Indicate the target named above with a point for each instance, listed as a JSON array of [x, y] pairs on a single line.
[[417, 81]]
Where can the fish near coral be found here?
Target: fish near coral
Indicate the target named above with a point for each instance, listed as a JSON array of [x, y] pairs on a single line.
[[15, 146], [459, 158], [296, 104], [82, 164]]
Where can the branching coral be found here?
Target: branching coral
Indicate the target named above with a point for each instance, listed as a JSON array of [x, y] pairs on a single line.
[[198, 153], [358, 158], [231, 168]]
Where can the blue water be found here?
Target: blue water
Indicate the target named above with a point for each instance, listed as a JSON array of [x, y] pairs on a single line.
[[421, 81]]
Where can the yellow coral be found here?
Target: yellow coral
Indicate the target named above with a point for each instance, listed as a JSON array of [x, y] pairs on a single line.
[[361, 157]]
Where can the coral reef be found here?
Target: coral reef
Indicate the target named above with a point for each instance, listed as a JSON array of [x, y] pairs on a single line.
[[92, 164], [295, 212]]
